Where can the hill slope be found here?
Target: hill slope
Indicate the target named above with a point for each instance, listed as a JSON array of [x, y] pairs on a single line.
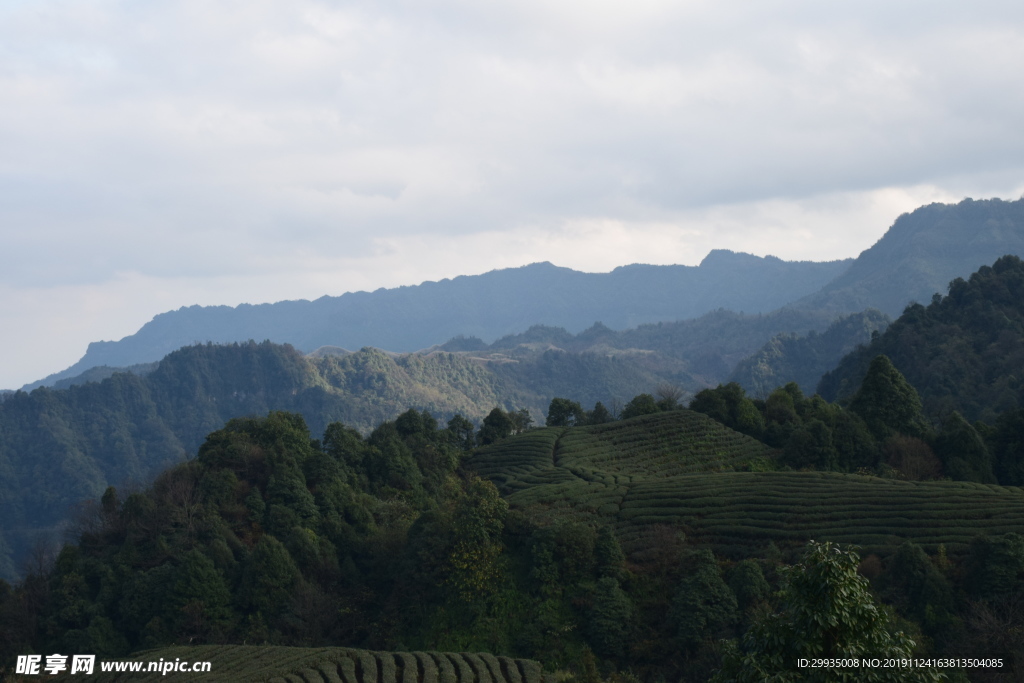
[[962, 352], [61, 447], [805, 358], [682, 469], [922, 252]]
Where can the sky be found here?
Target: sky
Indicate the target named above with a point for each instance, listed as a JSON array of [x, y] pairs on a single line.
[[155, 155]]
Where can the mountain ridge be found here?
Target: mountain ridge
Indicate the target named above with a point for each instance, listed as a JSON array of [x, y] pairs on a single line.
[[922, 252], [414, 317]]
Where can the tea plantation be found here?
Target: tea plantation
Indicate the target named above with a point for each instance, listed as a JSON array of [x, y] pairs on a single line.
[[230, 663], [683, 469]]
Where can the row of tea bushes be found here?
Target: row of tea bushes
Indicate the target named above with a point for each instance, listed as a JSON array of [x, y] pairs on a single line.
[[255, 664]]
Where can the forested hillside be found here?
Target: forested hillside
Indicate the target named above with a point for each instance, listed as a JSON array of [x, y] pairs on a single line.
[[61, 447], [488, 306], [623, 551], [962, 352], [805, 358], [921, 253]]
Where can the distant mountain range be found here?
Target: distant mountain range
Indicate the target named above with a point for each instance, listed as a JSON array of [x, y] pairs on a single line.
[[487, 306], [916, 258]]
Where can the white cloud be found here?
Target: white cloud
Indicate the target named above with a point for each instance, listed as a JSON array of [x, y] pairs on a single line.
[[229, 151]]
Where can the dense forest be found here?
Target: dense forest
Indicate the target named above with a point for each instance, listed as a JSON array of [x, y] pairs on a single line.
[[127, 428], [393, 542], [804, 359], [963, 351]]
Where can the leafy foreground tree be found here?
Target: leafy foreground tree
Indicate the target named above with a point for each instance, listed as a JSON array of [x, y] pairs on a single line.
[[827, 612]]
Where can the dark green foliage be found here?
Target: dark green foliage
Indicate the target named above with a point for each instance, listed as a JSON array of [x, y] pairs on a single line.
[[963, 452], [608, 554], [919, 590], [272, 537], [460, 432], [389, 460], [521, 420], [825, 611], [611, 617], [643, 404], [729, 405], [1006, 443], [962, 352], [703, 606], [888, 403], [599, 415], [199, 601], [810, 446], [496, 426], [804, 359], [996, 566], [564, 413], [129, 427], [748, 584], [811, 433], [268, 578]]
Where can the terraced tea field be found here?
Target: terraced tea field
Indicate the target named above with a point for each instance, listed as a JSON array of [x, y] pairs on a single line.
[[681, 469], [252, 664], [653, 446]]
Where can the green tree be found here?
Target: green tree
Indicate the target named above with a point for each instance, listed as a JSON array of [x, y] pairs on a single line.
[[729, 405], [644, 404], [521, 420], [564, 413], [888, 403], [599, 415], [826, 611], [611, 616], [704, 606], [496, 426], [460, 431], [749, 585], [811, 446], [963, 452], [474, 560], [199, 600], [1007, 448], [995, 566], [608, 555], [268, 578], [914, 585]]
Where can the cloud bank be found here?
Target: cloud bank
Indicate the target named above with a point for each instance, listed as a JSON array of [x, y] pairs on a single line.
[[154, 155]]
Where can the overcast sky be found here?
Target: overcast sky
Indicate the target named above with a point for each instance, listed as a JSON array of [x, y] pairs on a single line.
[[161, 154]]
